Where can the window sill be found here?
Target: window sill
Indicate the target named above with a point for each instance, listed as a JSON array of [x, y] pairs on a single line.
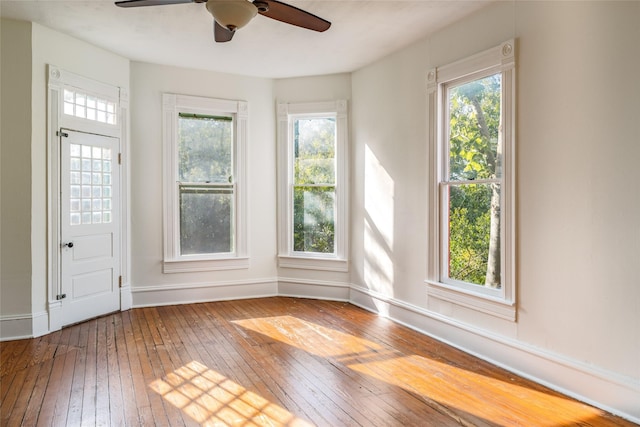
[[186, 266], [493, 306], [309, 263]]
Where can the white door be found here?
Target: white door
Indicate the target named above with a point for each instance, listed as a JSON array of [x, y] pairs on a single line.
[[89, 216]]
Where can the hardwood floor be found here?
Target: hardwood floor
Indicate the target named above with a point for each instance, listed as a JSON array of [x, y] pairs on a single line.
[[273, 361]]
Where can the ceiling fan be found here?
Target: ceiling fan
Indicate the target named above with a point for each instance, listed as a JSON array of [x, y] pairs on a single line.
[[231, 15]]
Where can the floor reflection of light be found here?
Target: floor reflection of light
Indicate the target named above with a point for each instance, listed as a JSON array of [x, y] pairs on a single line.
[[309, 336], [212, 399], [495, 400]]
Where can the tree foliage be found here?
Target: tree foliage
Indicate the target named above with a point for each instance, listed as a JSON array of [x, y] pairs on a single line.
[[314, 185], [475, 154]]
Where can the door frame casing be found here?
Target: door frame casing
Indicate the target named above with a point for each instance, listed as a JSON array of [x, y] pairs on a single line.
[[57, 79]]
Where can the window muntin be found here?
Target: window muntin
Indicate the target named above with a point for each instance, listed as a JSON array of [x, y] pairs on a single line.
[[314, 178], [470, 187]]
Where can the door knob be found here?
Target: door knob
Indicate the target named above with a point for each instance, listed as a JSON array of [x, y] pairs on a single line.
[[69, 245]]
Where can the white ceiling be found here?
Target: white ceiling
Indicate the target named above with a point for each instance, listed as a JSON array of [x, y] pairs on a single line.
[[362, 31]]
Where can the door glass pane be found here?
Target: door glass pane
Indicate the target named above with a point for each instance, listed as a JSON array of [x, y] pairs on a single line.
[[93, 197], [206, 220], [313, 219]]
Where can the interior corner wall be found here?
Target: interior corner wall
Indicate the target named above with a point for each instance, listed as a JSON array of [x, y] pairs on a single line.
[[313, 88], [150, 286], [306, 282], [15, 179], [578, 204]]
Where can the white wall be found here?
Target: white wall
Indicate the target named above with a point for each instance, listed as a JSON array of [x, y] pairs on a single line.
[[313, 88], [149, 284], [15, 170], [24, 227], [578, 239]]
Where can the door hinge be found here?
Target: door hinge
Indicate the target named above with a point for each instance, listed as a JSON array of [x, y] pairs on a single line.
[[63, 134], [119, 158], [120, 281], [61, 296]]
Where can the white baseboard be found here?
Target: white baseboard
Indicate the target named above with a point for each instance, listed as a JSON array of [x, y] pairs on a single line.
[[318, 289], [16, 327], [603, 389], [21, 326], [126, 298], [151, 296], [40, 324]]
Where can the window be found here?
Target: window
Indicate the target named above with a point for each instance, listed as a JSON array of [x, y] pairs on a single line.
[[205, 215], [313, 197], [87, 106], [472, 182]]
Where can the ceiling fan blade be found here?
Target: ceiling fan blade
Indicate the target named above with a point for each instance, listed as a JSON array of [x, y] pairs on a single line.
[[292, 15], [139, 3], [221, 34]]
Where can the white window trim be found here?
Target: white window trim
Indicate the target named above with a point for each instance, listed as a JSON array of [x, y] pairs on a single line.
[[287, 258], [496, 302], [174, 262]]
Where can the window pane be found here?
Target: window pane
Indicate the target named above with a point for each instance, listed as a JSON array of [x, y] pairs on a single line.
[[313, 219], [89, 107], [474, 234], [474, 121], [205, 149], [206, 220], [314, 150]]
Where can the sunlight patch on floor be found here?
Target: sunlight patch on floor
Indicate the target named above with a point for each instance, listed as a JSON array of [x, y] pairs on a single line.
[[309, 336], [212, 399], [442, 383]]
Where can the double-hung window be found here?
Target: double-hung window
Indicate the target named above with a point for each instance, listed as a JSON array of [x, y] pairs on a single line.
[[204, 175], [313, 198], [472, 182]]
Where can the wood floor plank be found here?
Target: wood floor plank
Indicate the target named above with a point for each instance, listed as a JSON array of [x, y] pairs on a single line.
[[121, 367], [63, 403], [88, 413], [74, 413], [271, 361], [147, 359], [135, 359]]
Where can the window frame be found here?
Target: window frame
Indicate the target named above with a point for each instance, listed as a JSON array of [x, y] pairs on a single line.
[[496, 302], [287, 257], [173, 261]]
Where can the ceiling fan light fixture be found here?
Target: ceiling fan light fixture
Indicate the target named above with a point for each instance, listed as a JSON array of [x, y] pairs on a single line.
[[232, 14]]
